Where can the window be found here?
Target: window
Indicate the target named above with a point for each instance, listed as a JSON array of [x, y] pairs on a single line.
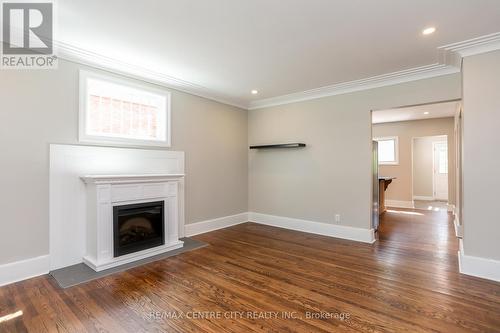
[[388, 150], [116, 111]]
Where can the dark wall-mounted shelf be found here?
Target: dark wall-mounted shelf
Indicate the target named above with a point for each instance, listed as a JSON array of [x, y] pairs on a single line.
[[280, 145]]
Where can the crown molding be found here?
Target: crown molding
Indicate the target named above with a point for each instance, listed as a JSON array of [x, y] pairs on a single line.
[[389, 79], [450, 60], [78, 55], [452, 54]]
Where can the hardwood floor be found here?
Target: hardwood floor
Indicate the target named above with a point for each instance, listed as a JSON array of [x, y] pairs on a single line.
[[407, 281]]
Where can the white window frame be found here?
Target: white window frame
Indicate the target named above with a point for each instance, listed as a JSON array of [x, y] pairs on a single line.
[[117, 141], [396, 149]]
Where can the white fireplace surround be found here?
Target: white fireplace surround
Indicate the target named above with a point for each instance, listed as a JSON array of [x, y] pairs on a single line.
[[107, 191], [68, 193]]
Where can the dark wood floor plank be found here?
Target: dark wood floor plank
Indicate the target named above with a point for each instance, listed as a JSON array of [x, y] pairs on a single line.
[[366, 293], [169, 295], [90, 313], [289, 257], [308, 299], [234, 295], [123, 297], [408, 281], [395, 270]]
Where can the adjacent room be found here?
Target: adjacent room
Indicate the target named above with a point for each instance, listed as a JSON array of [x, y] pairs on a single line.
[[227, 166], [416, 149], [415, 176]]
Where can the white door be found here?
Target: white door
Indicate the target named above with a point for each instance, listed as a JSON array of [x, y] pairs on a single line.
[[440, 170]]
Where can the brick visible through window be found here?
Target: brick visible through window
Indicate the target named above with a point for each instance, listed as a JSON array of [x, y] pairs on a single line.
[[119, 111], [114, 116]]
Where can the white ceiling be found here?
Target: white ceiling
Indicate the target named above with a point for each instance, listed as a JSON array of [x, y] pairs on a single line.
[[438, 110], [277, 47]]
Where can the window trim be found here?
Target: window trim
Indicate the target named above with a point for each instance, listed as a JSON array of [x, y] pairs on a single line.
[[396, 149], [116, 141]]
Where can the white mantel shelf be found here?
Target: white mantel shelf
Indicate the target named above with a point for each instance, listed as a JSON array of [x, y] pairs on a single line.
[[123, 179]]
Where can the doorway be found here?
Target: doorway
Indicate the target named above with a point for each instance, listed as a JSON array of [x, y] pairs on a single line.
[[430, 171], [440, 168]]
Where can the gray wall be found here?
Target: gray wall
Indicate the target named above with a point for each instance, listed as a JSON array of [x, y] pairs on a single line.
[[333, 174], [481, 161], [40, 107], [401, 188]]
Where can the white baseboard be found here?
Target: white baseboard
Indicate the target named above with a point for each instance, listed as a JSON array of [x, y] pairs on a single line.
[[399, 204], [325, 229], [24, 269], [202, 227], [423, 198], [477, 266]]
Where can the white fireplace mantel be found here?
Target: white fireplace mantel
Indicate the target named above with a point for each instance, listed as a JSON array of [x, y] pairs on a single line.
[[116, 179], [107, 191]]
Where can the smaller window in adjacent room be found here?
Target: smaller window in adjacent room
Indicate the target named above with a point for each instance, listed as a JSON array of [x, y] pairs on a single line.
[[388, 150], [122, 112]]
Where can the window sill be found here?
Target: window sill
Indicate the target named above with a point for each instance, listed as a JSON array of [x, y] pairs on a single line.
[[117, 142]]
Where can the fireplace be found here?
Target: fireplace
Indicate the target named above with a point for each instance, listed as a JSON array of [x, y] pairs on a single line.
[[132, 217], [138, 227]]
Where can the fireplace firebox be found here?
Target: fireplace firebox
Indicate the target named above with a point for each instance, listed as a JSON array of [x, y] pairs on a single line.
[[138, 227]]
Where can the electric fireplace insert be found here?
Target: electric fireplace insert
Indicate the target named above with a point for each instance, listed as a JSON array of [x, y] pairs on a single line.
[[138, 227]]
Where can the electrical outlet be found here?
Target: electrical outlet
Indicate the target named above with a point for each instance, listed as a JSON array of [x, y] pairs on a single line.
[[337, 218]]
